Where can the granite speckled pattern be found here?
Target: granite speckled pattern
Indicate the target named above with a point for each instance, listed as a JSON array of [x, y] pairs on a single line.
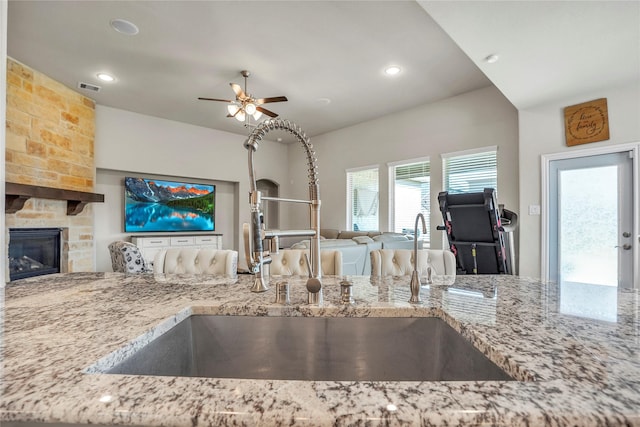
[[571, 370]]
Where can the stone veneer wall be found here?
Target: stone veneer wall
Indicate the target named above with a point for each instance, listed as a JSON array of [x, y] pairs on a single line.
[[50, 142]]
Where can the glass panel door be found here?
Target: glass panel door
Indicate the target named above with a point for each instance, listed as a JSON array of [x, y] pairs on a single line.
[[591, 220]]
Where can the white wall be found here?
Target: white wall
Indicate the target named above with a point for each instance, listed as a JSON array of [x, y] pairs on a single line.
[[128, 143], [476, 119], [542, 132]]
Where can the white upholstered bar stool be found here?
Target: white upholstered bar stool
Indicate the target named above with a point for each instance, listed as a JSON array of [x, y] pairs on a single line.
[[291, 262], [196, 261], [399, 262]]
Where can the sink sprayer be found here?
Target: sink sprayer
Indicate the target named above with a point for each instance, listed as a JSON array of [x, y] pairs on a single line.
[[255, 233]]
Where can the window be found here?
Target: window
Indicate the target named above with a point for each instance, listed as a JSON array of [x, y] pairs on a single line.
[[410, 195], [470, 171], [362, 199]]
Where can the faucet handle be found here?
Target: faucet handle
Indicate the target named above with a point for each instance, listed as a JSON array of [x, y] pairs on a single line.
[[306, 259], [346, 292], [282, 293]]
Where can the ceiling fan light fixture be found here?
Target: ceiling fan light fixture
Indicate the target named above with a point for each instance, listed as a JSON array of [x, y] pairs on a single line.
[[250, 108], [240, 116], [236, 111], [245, 106], [232, 108]]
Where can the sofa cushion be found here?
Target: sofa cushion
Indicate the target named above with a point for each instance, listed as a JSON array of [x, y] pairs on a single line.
[[362, 239], [304, 244], [396, 241], [346, 234], [329, 233], [390, 237]]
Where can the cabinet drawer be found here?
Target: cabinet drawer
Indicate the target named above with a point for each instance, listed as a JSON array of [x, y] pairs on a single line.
[[207, 240], [152, 242], [182, 241]]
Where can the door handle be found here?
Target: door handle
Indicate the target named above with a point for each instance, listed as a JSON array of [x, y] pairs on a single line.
[[626, 246]]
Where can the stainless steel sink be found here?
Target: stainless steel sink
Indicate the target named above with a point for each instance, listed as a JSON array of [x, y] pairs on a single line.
[[313, 348]]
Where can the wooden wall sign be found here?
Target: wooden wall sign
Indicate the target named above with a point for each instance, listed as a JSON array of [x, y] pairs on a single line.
[[586, 122]]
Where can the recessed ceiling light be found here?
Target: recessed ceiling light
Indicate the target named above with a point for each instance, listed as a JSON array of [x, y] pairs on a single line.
[[323, 101], [392, 70], [105, 77], [125, 27], [491, 59]]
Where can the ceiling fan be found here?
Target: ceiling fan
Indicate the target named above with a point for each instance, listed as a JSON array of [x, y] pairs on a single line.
[[245, 105]]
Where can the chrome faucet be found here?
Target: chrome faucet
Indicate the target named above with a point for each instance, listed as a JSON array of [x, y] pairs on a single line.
[[255, 233], [415, 276]]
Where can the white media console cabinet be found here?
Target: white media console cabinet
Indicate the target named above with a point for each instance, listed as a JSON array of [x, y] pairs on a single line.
[[150, 245]]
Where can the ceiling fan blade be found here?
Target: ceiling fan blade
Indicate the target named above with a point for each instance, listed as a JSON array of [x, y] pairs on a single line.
[[238, 91], [214, 99], [267, 112], [272, 99]]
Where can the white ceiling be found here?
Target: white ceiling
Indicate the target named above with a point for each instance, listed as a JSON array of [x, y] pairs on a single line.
[[309, 50], [549, 50]]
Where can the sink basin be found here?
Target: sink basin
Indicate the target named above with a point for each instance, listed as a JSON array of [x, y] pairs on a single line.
[[312, 348]]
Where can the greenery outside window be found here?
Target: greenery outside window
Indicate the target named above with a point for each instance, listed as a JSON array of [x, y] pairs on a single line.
[[410, 194], [362, 199]]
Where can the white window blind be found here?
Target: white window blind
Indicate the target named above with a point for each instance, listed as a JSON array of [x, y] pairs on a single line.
[[362, 203], [470, 173], [411, 195]]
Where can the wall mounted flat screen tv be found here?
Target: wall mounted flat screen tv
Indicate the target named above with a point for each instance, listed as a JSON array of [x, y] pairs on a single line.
[[153, 205]]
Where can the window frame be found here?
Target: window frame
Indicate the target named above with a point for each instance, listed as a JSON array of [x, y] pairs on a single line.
[[392, 184], [471, 152], [349, 210]]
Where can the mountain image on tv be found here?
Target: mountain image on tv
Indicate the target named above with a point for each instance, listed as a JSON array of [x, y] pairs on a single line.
[[158, 205]]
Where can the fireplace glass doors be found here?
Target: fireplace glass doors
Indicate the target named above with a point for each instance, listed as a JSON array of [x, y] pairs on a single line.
[[34, 252]]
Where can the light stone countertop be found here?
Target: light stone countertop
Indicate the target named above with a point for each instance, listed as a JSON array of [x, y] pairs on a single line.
[[573, 369]]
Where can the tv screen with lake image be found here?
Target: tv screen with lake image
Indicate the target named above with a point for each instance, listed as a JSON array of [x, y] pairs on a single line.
[[153, 205]]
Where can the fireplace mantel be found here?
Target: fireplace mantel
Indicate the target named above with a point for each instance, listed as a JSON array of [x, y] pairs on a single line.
[[17, 194]]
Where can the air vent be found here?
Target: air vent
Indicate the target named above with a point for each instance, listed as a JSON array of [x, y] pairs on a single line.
[[88, 86]]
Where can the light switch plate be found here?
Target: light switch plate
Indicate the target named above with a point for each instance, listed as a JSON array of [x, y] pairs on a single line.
[[534, 209]]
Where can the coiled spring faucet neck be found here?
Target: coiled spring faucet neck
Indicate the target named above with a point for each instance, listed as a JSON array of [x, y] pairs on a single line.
[[253, 141], [253, 244]]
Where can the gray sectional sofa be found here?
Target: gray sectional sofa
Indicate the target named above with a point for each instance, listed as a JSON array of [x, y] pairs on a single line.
[[356, 247]]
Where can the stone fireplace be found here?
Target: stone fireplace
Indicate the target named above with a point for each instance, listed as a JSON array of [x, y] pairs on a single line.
[[35, 252], [76, 244], [50, 152]]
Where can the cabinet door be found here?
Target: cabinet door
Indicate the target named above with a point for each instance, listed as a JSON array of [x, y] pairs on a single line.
[[182, 241], [212, 242], [151, 242]]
